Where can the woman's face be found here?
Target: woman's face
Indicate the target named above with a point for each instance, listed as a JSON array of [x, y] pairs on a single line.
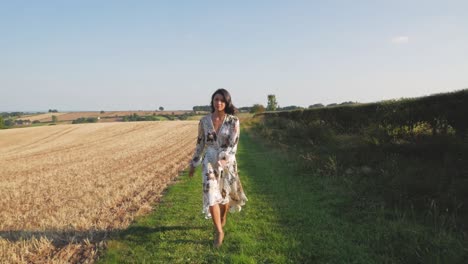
[[219, 103]]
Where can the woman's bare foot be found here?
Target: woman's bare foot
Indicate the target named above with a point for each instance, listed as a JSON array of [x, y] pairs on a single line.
[[219, 240]]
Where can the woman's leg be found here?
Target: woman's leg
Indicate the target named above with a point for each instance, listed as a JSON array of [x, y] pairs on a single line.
[[224, 208], [216, 216]]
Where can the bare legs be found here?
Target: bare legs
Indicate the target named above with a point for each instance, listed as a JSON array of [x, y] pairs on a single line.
[[219, 215], [224, 208]]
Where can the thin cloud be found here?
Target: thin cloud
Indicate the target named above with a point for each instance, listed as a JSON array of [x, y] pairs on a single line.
[[400, 40]]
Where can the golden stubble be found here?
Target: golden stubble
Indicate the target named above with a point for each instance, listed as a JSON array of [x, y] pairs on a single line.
[[70, 116], [64, 189]]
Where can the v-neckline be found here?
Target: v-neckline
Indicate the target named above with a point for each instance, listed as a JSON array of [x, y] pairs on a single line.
[[213, 126]]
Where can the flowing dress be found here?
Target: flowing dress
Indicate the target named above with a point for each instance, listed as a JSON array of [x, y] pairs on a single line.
[[216, 150]]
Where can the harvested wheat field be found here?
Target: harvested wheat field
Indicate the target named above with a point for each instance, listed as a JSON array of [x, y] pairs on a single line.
[[64, 188], [46, 117], [70, 116]]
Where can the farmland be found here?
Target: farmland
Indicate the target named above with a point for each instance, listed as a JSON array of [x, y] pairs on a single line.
[[105, 116], [64, 188]]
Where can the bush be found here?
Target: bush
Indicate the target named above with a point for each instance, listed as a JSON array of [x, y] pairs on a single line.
[[440, 114], [8, 123], [257, 108], [410, 153], [136, 117], [85, 120]]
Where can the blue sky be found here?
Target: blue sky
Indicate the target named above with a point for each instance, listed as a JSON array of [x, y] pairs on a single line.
[[139, 55]]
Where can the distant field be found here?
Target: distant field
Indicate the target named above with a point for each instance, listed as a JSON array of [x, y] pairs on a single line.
[[47, 117], [64, 188], [112, 115]]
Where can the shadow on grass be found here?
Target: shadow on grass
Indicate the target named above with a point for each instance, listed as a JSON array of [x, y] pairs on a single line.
[[60, 238], [143, 234], [287, 197], [339, 219]]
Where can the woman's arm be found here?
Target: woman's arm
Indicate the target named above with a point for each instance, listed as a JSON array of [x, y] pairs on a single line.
[[197, 156]]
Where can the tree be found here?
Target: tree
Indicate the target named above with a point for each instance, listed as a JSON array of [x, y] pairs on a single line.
[[54, 119], [348, 103], [2, 123], [9, 123], [85, 120], [206, 108], [161, 108], [316, 106], [289, 108], [257, 108], [272, 103], [245, 109]]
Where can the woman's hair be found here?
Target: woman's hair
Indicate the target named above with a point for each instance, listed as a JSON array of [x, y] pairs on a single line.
[[230, 108]]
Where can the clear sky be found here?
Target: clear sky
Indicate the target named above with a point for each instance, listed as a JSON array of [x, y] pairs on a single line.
[[139, 55]]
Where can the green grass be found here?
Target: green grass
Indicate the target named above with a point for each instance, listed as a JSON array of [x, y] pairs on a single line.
[[293, 216]]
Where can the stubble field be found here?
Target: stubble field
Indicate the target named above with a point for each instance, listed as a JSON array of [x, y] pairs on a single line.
[[70, 116], [64, 189]]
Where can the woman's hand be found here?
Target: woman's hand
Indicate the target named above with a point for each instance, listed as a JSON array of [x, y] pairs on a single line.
[[191, 171], [222, 163]]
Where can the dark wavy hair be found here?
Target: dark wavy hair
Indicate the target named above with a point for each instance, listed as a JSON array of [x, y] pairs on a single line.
[[230, 108]]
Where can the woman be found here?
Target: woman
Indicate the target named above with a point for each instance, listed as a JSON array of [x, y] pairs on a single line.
[[218, 135]]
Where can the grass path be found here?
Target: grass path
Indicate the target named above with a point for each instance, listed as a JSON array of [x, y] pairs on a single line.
[[291, 217]]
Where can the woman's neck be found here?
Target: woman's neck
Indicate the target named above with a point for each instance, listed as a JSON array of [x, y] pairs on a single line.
[[219, 114]]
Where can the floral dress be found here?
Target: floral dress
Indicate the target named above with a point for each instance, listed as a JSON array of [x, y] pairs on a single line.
[[221, 182]]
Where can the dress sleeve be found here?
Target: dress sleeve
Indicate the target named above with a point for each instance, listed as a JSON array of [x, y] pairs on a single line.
[[230, 148], [197, 156]]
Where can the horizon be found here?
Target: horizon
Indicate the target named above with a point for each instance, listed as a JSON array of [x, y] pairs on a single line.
[[113, 55], [173, 110]]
